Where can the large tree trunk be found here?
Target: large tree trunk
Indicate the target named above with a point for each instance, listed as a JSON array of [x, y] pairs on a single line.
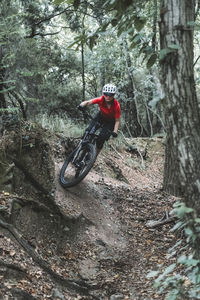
[[182, 171]]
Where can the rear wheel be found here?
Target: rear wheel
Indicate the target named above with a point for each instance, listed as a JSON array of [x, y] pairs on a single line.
[[73, 171]]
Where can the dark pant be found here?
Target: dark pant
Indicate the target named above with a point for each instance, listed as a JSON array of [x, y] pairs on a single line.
[[106, 125]]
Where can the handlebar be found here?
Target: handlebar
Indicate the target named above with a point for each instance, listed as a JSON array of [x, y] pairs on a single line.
[[85, 113]]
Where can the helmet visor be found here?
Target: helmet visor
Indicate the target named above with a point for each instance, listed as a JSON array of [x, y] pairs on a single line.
[[109, 94]]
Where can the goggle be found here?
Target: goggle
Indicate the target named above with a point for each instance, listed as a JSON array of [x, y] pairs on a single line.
[[109, 94]]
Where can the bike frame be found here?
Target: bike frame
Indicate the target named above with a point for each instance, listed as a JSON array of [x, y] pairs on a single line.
[[89, 137]]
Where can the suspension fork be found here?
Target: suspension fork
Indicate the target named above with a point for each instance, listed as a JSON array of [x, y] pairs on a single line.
[[82, 142], [77, 152]]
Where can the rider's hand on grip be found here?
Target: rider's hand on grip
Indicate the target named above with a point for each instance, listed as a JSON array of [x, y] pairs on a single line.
[[114, 134], [82, 108]]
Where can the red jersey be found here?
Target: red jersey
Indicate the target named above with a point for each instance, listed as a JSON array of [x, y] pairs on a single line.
[[113, 112]]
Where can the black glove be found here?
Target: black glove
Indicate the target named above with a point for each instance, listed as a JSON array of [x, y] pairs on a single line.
[[114, 134], [82, 108]]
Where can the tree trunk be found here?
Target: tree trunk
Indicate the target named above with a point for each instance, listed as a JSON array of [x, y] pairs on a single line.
[[83, 71], [2, 96], [182, 172], [154, 40], [131, 116]]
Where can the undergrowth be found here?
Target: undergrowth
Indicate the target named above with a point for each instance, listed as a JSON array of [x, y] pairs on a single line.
[[61, 125], [71, 129], [181, 280]]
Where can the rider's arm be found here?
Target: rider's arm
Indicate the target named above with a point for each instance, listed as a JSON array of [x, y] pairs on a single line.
[[116, 125], [86, 103]]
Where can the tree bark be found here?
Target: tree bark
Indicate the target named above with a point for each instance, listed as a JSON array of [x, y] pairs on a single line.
[[182, 172], [83, 71]]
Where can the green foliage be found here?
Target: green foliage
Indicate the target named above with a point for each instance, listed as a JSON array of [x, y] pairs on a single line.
[[45, 75], [58, 2], [165, 51], [35, 71], [126, 19], [60, 124], [151, 61], [75, 3], [181, 280]]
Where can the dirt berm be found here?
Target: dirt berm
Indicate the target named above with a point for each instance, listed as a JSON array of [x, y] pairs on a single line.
[[90, 241]]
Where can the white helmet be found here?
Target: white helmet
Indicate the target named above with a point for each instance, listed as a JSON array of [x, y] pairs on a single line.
[[109, 88]]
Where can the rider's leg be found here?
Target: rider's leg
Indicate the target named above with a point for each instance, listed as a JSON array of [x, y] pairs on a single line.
[[104, 135]]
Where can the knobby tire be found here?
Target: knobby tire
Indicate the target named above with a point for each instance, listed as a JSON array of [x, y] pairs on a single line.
[[90, 149]]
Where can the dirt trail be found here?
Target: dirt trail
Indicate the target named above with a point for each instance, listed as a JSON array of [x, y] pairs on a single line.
[[117, 211], [96, 244], [88, 200]]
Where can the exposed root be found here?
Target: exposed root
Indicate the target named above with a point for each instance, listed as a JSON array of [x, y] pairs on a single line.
[[12, 266], [71, 284], [164, 220], [16, 293]]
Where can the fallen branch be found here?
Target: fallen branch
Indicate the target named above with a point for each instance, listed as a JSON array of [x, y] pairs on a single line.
[[154, 223]]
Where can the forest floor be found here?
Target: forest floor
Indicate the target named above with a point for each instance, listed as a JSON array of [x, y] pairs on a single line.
[[105, 249]]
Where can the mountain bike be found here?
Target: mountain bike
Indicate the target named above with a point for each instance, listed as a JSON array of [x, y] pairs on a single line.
[[82, 158]]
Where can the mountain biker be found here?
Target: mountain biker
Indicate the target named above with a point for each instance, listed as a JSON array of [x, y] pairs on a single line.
[[108, 115]]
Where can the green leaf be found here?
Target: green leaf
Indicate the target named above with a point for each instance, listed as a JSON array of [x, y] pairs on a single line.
[[178, 204], [174, 46], [169, 269], [164, 52], [188, 209], [27, 73], [120, 31], [35, 100], [13, 109], [7, 90], [177, 226], [172, 295], [139, 23], [7, 81], [182, 210], [151, 61], [136, 40], [104, 26], [152, 274], [191, 23], [58, 2], [188, 261], [189, 232]]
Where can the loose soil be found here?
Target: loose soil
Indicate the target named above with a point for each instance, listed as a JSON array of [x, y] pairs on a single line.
[[90, 241]]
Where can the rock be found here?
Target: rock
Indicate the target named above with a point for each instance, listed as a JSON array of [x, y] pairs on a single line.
[[117, 297], [57, 294]]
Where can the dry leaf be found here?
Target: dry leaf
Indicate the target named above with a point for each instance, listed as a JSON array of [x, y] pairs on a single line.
[[12, 253]]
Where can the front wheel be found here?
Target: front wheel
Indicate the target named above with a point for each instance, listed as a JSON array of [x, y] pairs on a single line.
[[74, 170]]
